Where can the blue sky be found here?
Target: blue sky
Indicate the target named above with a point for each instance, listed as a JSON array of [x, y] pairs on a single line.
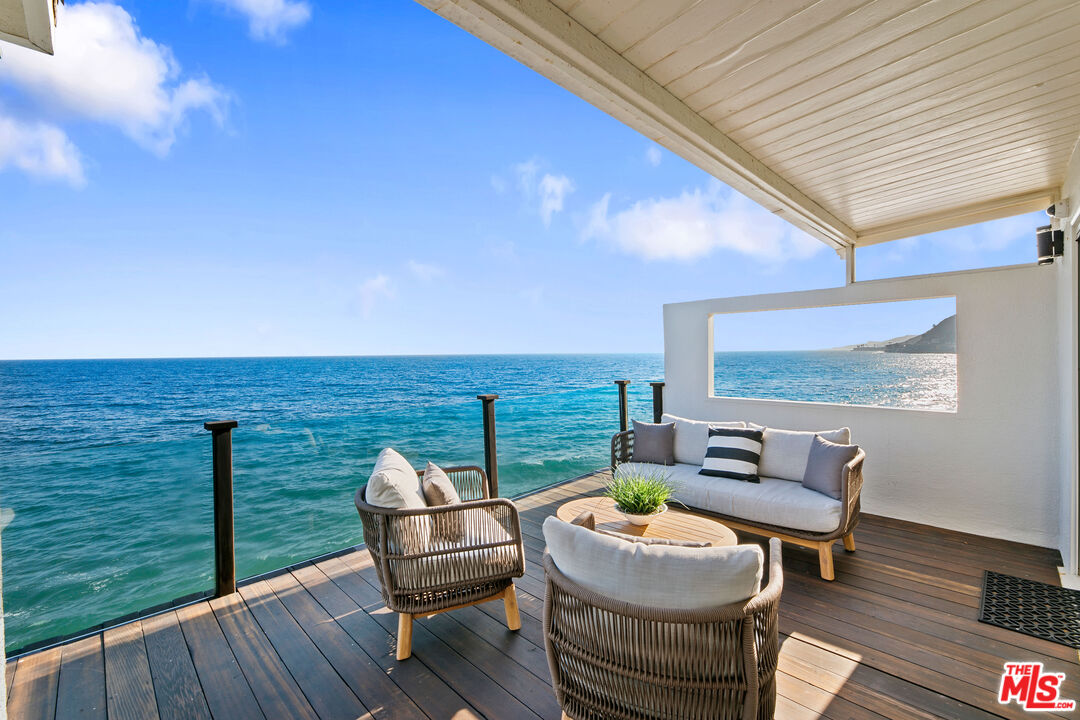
[[286, 177]]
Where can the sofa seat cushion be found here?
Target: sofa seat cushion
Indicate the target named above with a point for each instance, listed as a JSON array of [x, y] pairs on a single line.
[[773, 501], [659, 576]]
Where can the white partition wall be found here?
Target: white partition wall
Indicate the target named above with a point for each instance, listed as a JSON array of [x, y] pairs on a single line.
[[994, 467]]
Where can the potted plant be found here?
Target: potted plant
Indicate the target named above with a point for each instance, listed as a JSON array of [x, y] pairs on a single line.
[[640, 496]]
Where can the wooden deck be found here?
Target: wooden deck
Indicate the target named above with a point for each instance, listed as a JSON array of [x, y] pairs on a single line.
[[895, 636]]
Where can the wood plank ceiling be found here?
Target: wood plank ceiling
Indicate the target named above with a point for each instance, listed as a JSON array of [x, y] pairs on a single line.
[[891, 115]]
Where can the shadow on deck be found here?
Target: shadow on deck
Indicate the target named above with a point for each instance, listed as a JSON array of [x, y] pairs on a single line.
[[895, 636]]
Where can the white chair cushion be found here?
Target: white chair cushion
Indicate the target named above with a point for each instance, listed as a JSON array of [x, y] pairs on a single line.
[[784, 453], [659, 576], [773, 501], [394, 483], [692, 437]]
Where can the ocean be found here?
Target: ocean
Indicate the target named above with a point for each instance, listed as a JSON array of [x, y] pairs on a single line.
[[105, 478]]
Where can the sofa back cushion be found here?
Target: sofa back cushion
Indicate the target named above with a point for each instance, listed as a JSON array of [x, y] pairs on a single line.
[[784, 453], [394, 483], [659, 576], [825, 466], [654, 443], [692, 437]]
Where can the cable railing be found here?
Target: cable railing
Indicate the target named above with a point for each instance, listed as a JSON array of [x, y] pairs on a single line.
[[274, 495]]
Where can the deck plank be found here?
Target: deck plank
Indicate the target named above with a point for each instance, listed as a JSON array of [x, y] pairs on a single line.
[[33, 692], [272, 684], [176, 684], [896, 636], [81, 693], [318, 680], [361, 673], [128, 683], [224, 685], [486, 695], [427, 689]]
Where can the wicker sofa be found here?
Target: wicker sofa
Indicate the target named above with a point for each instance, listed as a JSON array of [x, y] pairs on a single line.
[[609, 657], [777, 507], [433, 559]]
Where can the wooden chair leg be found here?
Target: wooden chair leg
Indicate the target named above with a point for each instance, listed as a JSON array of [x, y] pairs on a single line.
[[404, 636], [513, 618], [849, 542], [825, 561]]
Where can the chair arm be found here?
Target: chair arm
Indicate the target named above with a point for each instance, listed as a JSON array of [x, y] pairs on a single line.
[[852, 489], [622, 448], [471, 482]]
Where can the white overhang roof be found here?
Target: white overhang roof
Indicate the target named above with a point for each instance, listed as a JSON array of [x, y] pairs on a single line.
[[859, 121], [28, 23]]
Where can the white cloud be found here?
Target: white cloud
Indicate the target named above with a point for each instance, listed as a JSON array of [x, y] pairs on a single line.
[[372, 290], [526, 175], [553, 189], [696, 223], [40, 150], [270, 19], [425, 272], [547, 194], [653, 156], [498, 184], [105, 70]]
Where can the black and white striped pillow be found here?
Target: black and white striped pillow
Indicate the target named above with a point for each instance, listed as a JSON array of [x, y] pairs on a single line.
[[733, 453]]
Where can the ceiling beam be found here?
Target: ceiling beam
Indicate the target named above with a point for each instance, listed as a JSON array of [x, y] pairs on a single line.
[[544, 38], [28, 23], [956, 217]]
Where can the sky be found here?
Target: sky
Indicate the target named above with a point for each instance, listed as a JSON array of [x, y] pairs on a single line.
[[290, 177]]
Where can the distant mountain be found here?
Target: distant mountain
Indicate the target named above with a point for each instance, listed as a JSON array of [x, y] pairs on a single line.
[[875, 345], [939, 339]]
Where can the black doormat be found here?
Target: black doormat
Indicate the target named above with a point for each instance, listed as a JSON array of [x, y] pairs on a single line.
[[1032, 608]]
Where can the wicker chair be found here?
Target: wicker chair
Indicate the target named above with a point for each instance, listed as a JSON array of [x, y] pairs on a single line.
[[612, 659], [430, 560]]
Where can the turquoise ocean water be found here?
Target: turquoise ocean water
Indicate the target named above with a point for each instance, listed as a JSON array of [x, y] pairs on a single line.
[[105, 468]]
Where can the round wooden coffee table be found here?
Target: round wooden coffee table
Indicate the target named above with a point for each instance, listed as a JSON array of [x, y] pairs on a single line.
[[675, 524]]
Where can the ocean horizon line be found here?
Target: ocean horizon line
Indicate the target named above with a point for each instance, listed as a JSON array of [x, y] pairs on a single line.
[[135, 358]]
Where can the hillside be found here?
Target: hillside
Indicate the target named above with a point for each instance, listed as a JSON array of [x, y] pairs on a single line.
[[939, 339]]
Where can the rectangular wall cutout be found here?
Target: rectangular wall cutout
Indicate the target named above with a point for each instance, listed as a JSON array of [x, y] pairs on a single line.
[[889, 354]]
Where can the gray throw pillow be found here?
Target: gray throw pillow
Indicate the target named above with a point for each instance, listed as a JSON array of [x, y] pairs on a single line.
[[825, 466], [654, 443]]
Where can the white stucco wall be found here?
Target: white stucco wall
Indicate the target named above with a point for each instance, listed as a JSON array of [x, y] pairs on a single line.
[[992, 468], [1068, 313]]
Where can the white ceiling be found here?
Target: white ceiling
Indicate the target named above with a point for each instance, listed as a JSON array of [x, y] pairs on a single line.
[[27, 23], [860, 121]]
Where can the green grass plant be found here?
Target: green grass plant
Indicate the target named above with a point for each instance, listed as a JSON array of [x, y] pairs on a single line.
[[640, 493]]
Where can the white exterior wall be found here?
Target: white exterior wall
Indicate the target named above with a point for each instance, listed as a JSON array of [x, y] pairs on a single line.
[[1068, 315], [991, 468]]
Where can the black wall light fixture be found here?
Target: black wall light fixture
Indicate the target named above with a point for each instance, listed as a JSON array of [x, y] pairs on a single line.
[[1049, 243]]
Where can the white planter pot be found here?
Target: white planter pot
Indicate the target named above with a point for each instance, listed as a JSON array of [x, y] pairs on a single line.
[[643, 519]]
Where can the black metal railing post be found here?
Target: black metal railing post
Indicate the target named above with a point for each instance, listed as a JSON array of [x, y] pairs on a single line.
[[224, 553], [657, 401], [491, 463], [624, 406]]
